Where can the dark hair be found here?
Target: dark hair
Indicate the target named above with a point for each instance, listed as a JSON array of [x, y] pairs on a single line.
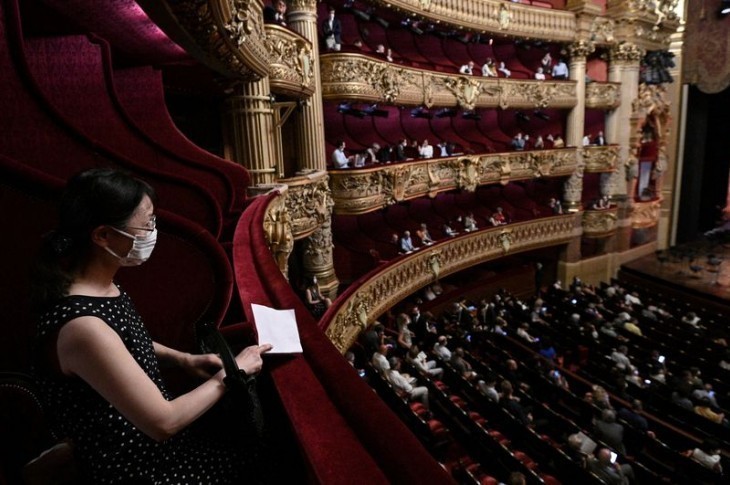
[[92, 198]]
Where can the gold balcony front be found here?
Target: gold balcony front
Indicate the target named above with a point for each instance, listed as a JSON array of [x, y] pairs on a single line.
[[291, 68], [364, 78], [357, 191], [600, 223], [603, 95], [600, 159], [385, 287]]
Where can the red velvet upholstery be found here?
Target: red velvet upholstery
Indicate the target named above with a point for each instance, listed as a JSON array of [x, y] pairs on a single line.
[[319, 390]]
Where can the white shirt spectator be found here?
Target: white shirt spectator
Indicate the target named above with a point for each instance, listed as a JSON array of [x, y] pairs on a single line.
[[586, 140], [339, 159], [380, 362], [442, 351], [560, 70], [467, 68], [425, 151], [506, 72]]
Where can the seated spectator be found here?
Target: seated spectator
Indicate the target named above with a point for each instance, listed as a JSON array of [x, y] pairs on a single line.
[[599, 140], [395, 241], [633, 327], [443, 149], [516, 478], [555, 206], [276, 14], [405, 335], [540, 74], [360, 160], [406, 244], [704, 409], [470, 224], [339, 159], [448, 230], [424, 235], [620, 357], [558, 142], [573, 450], [380, 359], [489, 69], [387, 53], [560, 70], [467, 68], [400, 151], [374, 337], [539, 143], [547, 350], [512, 404], [384, 154], [632, 298], [505, 72], [546, 62], [498, 218], [524, 334], [528, 144], [418, 359], [441, 349], [518, 142], [691, 318], [680, 397], [372, 153], [332, 32], [708, 455], [488, 387], [461, 366], [586, 140], [611, 432], [610, 472], [600, 397], [425, 150], [317, 303], [403, 384]]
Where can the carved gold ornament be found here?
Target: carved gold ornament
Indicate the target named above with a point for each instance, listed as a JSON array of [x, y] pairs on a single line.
[[600, 158], [600, 223], [603, 95], [505, 16], [278, 232], [393, 283], [291, 62], [309, 203], [645, 214]]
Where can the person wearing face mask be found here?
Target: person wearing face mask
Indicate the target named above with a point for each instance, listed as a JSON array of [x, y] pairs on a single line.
[[317, 303], [97, 366]]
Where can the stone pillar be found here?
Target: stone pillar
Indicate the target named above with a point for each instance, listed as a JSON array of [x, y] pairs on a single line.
[[249, 121], [624, 68], [309, 124], [317, 259], [573, 189]]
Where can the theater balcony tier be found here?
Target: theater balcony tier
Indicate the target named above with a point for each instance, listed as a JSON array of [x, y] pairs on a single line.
[[376, 292], [494, 16], [600, 223], [362, 78], [600, 158], [290, 62], [603, 95], [357, 191]]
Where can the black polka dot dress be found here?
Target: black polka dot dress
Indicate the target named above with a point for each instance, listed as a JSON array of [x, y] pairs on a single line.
[[108, 448]]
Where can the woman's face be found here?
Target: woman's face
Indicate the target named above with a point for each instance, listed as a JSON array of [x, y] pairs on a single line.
[[141, 223]]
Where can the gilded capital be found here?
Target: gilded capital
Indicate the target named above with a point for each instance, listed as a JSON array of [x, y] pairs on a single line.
[[305, 5], [581, 49], [626, 52]]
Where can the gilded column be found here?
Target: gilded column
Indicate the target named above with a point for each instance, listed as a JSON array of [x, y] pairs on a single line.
[[309, 124], [576, 122], [624, 68], [317, 258], [249, 120]]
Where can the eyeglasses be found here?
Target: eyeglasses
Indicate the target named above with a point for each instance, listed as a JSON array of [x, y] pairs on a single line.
[[150, 226]]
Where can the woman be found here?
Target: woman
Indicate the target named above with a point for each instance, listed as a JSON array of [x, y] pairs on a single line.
[[317, 303], [98, 366]]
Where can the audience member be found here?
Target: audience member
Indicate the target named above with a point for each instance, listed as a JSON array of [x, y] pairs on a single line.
[[380, 359], [488, 387], [546, 62], [424, 235], [467, 68], [498, 218], [470, 223], [555, 206], [558, 142], [441, 349], [599, 140], [374, 337], [505, 72], [400, 150], [512, 404], [609, 471], [524, 334], [518, 142], [406, 244], [539, 143], [560, 70], [404, 385], [425, 150], [708, 455], [489, 69], [332, 32], [461, 366], [586, 140], [611, 432], [539, 74], [339, 159], [691, 318], [448, 230], [372, 153], [317, 303], [704, 409], [418, 359], [275, 14]]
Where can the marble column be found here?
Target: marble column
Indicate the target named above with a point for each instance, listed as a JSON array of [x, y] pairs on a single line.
[[309, 121], [624, 68], [249, 120], [573, 189]]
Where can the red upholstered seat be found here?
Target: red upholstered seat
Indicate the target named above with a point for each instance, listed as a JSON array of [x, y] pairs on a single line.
[[525, 459], [488, 480], [550, 480]]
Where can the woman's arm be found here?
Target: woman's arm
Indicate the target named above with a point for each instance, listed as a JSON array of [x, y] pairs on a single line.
[[310, 300], [198, 365], [91, 350]]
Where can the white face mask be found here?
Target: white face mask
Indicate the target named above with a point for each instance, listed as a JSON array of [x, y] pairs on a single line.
[[141, 248]]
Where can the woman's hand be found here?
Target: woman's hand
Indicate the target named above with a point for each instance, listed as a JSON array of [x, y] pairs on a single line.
[[249, 360], [202, 366]]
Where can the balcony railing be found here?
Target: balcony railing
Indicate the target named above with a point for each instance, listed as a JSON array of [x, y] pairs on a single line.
[[600, 159], [363, 78], [375, 293], [291, 68], [357, 191], [603, 95], [600, 223]]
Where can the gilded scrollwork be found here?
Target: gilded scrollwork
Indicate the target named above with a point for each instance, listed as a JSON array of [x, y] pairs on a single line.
[[393, 283], [580, 49], [600, 158], [600, 223], [626, 52], [368, 79], [309, 204], [645, 214], [278, 232], [364, 190], [603, 95], [291, 61], [603, 30]]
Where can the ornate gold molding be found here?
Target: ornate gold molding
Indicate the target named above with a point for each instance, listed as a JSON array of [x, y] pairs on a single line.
[[650, 107], [600, 158], [229, 33], [360, 77], [647, 23], [391, 284], [493, 16], [603, 95], [645, 214], [357, 191], [626, 52], [291, 64], [278, 233], [308, 202], [600, 223]]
